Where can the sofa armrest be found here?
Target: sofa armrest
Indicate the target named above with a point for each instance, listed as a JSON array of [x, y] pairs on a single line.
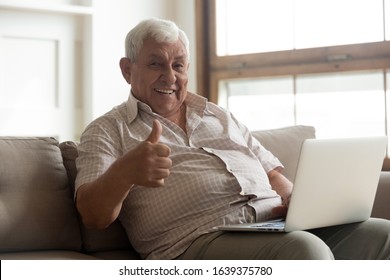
[[381, 207]]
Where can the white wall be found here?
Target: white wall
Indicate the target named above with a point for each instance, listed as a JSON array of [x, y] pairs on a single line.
[[110, 23]]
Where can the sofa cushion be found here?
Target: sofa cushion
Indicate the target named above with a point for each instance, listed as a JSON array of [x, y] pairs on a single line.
[[36, 206], [285, 143], [112, 238], [47, 255]]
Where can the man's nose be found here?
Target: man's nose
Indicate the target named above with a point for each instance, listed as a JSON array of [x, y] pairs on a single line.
[[169, 75]]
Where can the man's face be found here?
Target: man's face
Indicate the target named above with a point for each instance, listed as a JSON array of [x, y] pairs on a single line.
[[159, 76]]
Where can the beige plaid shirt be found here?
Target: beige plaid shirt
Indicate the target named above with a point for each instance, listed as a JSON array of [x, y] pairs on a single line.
[[218, 174]]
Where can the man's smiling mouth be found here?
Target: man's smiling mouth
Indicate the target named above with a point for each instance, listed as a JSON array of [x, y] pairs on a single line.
[[165, 91]]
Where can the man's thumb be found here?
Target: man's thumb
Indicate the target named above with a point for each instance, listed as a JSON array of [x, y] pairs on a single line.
[[156, 132]]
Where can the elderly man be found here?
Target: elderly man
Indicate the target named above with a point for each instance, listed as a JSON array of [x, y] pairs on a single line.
[[173, 167]]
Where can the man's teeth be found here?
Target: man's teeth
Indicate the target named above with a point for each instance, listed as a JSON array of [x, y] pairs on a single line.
[[165, 91]]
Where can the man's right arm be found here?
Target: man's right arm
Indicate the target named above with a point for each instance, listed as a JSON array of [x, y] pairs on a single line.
[[99, 202]]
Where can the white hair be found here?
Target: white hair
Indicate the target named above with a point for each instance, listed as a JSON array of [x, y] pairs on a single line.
[[160, 30]]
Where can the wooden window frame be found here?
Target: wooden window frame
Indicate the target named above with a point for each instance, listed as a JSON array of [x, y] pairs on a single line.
[[212, 68]]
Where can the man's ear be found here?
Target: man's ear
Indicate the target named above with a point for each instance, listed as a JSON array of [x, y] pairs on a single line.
[[125, 65]]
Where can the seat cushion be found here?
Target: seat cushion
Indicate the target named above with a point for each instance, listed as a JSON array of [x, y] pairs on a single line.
[[36, 206], [46, 255]]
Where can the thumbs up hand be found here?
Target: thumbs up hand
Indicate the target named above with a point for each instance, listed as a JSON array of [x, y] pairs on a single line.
[[148, 164], [154, 136]]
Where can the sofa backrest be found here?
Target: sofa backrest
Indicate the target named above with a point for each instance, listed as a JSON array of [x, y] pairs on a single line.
[[285, 143], [36, 206], [112, 238]]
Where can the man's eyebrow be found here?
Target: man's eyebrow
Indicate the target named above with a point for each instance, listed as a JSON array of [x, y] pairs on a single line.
[[181, 57], [158, 56]]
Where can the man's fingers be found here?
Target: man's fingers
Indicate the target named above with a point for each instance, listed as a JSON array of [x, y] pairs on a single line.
[[159, 177], [163, 150], [279, 211], [156, 158]]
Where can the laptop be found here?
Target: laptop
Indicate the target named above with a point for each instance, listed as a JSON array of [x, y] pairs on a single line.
[[335, 183]]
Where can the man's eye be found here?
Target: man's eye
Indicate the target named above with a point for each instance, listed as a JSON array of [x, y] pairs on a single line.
[[155, 64], [179, 66]]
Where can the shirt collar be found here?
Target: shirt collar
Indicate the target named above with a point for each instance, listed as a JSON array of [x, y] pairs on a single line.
[[197, 103], [132, 105]]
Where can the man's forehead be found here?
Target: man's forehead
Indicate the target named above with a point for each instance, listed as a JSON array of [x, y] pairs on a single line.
[[163, 53], [152, 47]]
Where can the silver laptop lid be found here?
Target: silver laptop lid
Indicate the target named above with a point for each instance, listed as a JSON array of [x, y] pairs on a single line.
[[336, 181]]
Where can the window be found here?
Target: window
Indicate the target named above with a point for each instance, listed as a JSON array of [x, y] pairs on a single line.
[[268, 102], [241, 30], [342, 104], [287, 62], [252, 26]]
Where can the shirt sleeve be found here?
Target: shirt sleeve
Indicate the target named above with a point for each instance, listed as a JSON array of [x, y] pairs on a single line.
[[98, 149]]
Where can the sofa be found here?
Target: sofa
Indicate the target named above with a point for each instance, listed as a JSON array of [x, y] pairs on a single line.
[[38, 217]]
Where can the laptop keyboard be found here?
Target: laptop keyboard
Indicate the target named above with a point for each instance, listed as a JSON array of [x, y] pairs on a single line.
[[270, 225]]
